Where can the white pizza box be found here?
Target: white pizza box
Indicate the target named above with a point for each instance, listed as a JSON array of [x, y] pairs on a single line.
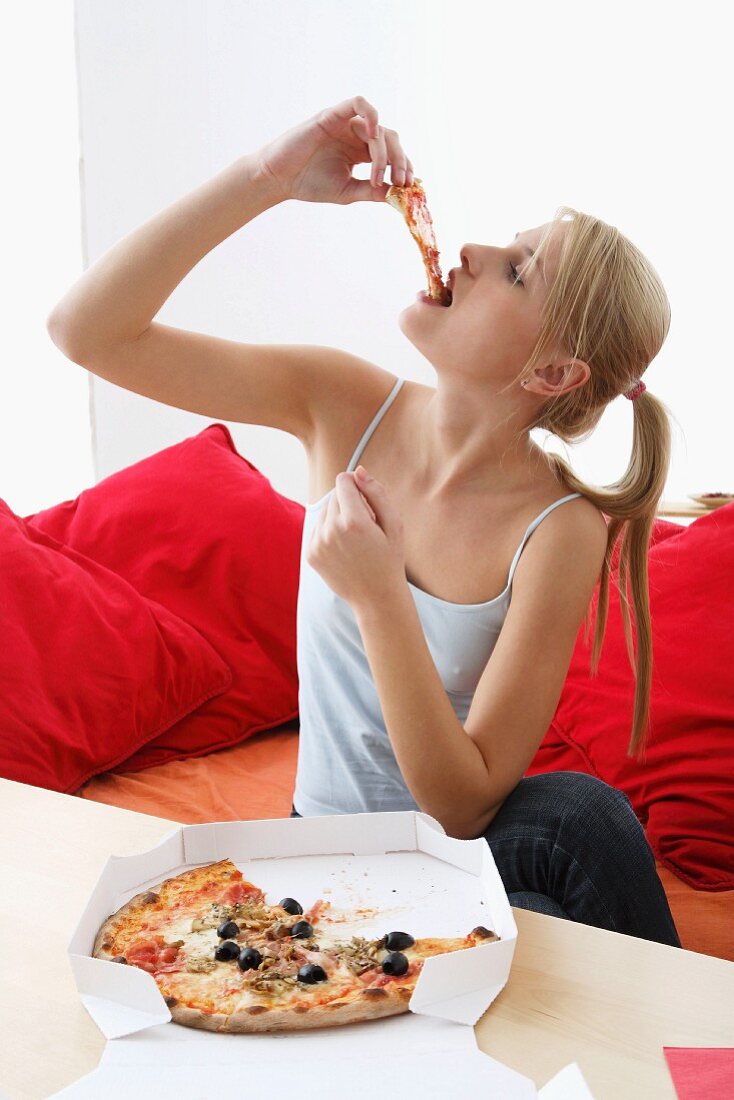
[[400, 866]]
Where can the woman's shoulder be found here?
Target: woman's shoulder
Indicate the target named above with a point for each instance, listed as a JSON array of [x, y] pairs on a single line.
[[568, 514]]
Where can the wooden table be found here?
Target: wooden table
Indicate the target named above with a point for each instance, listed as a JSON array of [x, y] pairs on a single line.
[[685, 509], [669, 509], [606, 1001]]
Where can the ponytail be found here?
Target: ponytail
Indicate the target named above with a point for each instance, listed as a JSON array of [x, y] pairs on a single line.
[[630, 505]]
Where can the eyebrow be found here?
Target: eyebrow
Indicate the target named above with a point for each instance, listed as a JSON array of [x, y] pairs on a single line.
[[526, 247], [530, 253]]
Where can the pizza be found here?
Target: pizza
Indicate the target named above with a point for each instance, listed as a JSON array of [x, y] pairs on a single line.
[[411, 203], [224, 959]]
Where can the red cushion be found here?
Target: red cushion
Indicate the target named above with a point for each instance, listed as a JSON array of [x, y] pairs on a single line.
[[684, 792], [89, 669], [199, 529]]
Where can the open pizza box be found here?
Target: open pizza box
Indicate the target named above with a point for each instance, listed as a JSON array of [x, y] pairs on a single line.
[[402, 872]]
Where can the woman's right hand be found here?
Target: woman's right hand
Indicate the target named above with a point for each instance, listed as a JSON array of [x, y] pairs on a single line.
[[314, 160]]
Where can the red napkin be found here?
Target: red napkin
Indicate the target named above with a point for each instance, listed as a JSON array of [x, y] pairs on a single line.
[[701, 1073]]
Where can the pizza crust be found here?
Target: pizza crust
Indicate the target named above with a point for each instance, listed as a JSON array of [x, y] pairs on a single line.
[[357, 1008]]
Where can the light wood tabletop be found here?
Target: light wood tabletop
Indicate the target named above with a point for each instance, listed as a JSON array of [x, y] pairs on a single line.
[[686, 508], [606, 1001], [672, 508]]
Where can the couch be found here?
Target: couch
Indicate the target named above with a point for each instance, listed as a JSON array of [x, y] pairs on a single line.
[[152, 666]]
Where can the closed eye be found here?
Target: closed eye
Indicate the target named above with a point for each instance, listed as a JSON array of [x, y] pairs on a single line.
[[513, 276]]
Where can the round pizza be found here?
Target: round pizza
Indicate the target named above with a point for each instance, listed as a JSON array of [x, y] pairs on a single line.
[[225, 960]]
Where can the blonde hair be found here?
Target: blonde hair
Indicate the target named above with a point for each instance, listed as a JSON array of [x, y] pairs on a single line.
[[607, 306]]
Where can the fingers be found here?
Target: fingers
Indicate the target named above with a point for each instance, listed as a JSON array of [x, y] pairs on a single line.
[[347, 493], [401, 170], [378, 152], [386, 149], [357, 105]]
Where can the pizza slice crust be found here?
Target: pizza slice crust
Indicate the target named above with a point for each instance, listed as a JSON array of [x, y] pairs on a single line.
[[357, 1007]]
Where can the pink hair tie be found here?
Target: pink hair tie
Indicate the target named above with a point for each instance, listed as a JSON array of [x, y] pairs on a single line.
[[636, 390]]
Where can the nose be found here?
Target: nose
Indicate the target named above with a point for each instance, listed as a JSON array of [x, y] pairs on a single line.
[[471, 256], [464, 256]]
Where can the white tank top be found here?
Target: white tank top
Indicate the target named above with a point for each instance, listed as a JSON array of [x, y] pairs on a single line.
[[346, 764]]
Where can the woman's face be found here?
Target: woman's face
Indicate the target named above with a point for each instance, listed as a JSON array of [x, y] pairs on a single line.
[[492, 325]]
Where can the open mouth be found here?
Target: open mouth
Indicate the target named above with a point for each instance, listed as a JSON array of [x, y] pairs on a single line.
[[425, 297], [444, 303]]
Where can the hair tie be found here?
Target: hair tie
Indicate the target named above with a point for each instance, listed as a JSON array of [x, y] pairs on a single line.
[[636, 390]]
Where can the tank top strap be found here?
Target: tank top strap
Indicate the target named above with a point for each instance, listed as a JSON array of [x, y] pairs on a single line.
[[531, 528], [374, 422]]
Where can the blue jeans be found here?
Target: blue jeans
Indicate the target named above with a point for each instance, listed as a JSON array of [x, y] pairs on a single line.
[[568, 845]]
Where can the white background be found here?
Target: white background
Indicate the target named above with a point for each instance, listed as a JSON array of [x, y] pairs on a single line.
[[45, 438], [507, 111]]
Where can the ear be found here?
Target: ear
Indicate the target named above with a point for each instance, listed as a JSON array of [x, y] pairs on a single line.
[[558, 378]]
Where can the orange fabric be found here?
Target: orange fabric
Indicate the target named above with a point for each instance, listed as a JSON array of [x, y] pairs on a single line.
[[255, 779], [252, 780], [704, 918]]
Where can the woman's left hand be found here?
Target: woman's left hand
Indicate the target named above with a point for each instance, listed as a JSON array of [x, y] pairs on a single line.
[[357, 544]]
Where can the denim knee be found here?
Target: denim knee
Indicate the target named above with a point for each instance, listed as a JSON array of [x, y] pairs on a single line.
[[595, 805], [589, 796], [536, 903], [581, 785]]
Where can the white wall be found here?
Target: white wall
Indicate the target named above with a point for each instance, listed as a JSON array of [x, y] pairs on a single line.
[[506, 111], [45, 442]]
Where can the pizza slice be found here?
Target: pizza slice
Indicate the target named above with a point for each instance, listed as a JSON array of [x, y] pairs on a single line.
[[411, 203]]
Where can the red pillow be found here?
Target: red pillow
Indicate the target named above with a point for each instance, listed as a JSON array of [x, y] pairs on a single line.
[[199, 529], [89, 669], [684, 792]]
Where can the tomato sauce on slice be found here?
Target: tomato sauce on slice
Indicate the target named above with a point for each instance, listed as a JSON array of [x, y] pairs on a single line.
[[242, 891]]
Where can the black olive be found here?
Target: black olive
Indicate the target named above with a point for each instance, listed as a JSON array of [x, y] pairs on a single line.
[[395, 964], [291, 906], [250, 958], [228, 930], [226, 951], [302, 930], [397, 941], [312, 973]]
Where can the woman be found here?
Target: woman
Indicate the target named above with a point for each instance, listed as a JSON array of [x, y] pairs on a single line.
[[416, 690]]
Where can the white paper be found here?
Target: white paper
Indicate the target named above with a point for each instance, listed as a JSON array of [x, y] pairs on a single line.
[[426, 1058], [568, 1084], [437, 1077]]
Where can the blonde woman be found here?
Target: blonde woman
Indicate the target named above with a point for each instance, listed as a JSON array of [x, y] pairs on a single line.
[[447, 561]]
